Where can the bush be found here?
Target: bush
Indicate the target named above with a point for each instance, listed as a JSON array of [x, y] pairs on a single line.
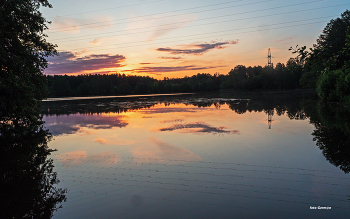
[[326, 85]]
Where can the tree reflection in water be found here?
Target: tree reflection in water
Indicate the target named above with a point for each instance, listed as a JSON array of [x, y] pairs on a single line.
[[332, 123], [27, 178], [332, 133]]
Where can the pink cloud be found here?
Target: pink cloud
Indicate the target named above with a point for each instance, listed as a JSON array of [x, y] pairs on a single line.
[[170, 57], [197, 49], [161, 69], [68, 62]]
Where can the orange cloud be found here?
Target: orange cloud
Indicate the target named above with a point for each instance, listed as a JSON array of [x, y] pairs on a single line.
[[162, 69]]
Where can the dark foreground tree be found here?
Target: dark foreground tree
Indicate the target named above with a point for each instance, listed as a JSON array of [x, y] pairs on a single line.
[[27, 182], [331, 51], [23, 50]]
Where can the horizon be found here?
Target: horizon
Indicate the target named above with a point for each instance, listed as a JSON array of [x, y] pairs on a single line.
[[176, 39]]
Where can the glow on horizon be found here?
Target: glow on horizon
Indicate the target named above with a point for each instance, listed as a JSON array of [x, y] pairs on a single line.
[[167, 38]]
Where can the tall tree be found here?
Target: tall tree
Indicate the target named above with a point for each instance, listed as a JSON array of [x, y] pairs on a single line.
[[23, 49], [328, 52]]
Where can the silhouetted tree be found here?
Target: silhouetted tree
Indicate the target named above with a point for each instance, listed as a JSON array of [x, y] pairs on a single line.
[[331, 51], [23, 50]]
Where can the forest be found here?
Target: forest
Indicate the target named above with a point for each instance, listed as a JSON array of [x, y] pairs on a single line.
[[240, 78], [325, 68]]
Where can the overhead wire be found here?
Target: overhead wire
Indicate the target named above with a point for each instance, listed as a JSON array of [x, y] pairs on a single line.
[[261, 28], [157, 14], [247, 12], [267, 27], [284, 13], [107, 9]]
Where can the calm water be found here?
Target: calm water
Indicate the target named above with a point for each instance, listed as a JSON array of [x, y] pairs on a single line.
[[246, 155]]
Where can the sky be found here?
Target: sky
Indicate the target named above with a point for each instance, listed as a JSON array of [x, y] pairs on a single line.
[[178, 38]]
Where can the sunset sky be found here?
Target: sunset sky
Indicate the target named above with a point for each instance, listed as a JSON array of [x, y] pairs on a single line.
[[168, 38]]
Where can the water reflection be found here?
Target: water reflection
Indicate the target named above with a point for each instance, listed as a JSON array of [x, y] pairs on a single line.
[[332, 133], [59, 125], [161, 152], [27, 185], [202, 156], [198, 127], [76, 158]]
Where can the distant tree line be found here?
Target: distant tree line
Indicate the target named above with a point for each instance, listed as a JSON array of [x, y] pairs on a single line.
[[240, 78], [325, 67]]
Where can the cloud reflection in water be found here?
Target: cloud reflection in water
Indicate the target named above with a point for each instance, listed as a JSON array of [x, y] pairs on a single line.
[[163, 152], [199, 127], [76, 158], [115, 141], [60, 125]]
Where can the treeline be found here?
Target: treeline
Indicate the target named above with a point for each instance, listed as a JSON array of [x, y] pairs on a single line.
[[240, 78], [326, 66]]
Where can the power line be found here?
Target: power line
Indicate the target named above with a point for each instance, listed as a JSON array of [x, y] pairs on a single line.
[[125, 19], [83, 37], [106, 9], [201, 35], [248, 12]]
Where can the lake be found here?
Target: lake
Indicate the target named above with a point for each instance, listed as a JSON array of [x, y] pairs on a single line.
[[221, 155]]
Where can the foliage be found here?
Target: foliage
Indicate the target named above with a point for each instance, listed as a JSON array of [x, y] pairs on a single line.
[[23, 49], [335, 86], [239, 78], [26, 187], [327, 83], [330, 53]]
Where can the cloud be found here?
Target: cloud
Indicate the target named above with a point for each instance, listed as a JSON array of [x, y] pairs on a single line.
[[162, 152], [67, 62], [163, 26], [197, 49], [160, 25], [161, 69], [285, 40], [171, 120], [73, 25], [199, 127], [95, 42], [170, 57]]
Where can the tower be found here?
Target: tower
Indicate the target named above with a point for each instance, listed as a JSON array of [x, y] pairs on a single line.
[[269, 63]]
